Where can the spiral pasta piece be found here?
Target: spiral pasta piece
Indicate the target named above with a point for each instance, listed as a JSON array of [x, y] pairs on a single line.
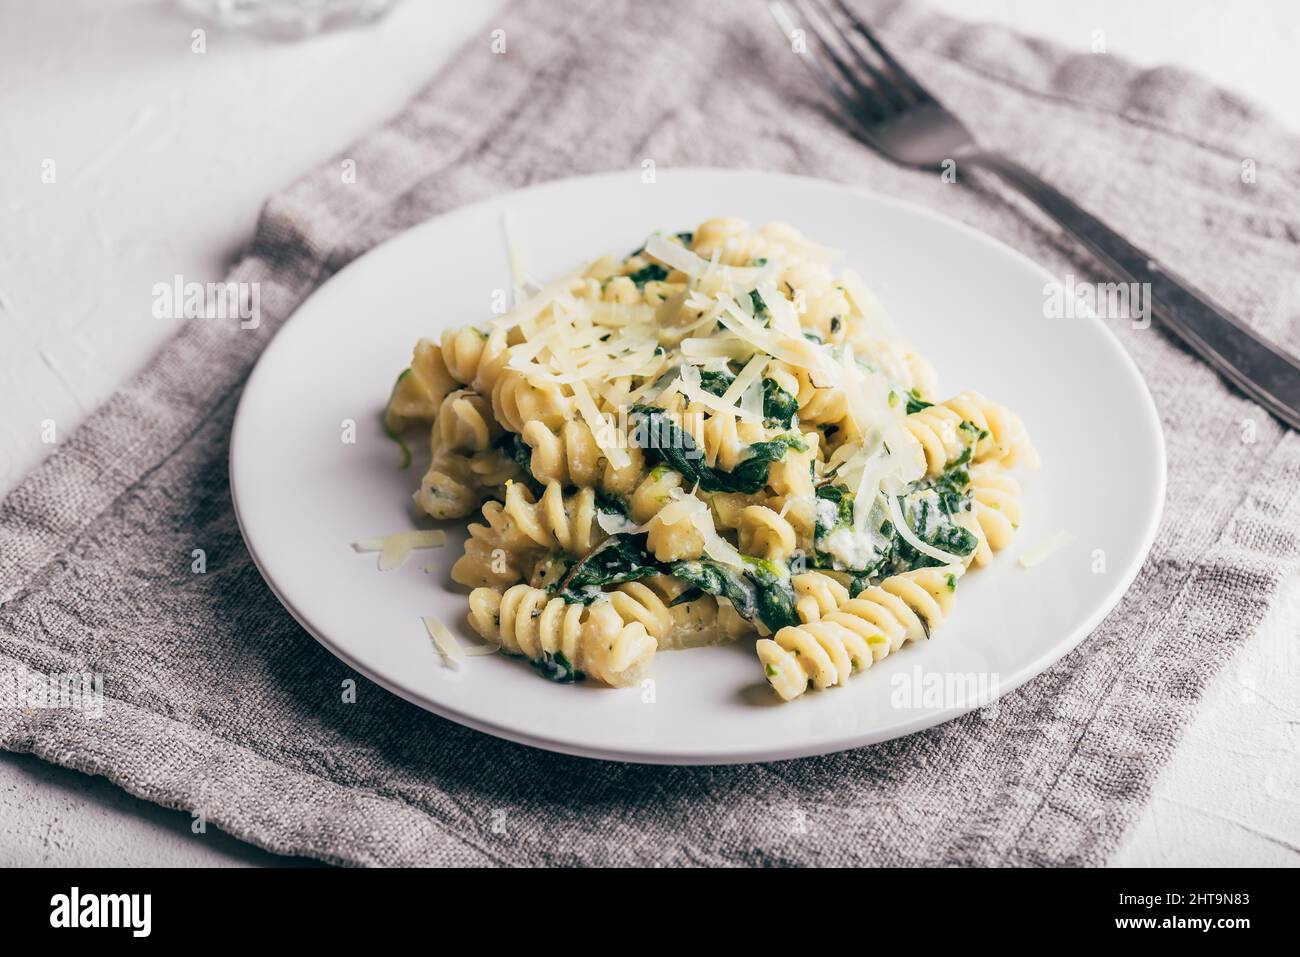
[[674, 541], [800, 511], [518, 399], [514, 534], [652, 494], [825, 652], [792, 475], [555, 521], [691, 624], [497, 553], [1006, 441], [995, 510], [462, 352], [938, 431], [465, 422], [420, 389], [592, 639], [488, 563], [571, 456], [727, 440], [730, 238], [447, 489], [764, 533], [819, 405], [993, 433], [643, 602], [825, 308], [457, 482], [817, 595]]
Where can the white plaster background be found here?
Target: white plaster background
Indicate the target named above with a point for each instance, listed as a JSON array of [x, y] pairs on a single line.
[[163, 158]]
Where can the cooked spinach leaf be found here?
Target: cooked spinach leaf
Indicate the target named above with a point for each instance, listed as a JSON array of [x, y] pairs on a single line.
[[689, 595], [762, 592], [651, 273], [751, 475], [663, 441], [779, 406], [554, 666], [858, 585], [610, 504], [619, 558], [715, 381], [522, 455], [915, 403], [931, 509]]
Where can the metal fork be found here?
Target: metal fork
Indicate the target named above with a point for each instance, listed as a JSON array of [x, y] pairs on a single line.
[[891, 112]]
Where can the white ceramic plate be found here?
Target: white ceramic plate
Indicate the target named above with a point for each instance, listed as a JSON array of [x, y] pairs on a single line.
[[972, 305]]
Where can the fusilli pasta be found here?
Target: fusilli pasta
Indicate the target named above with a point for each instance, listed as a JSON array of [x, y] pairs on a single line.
[[716, 436], [570, 640], [826, 650]]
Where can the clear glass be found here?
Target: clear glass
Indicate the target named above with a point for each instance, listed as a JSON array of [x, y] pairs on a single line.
[[289, 19]]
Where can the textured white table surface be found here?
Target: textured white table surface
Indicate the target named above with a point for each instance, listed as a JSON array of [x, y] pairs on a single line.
[[161, 159]]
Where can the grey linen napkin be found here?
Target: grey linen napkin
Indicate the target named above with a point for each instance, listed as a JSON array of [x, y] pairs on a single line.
[[219, 703]]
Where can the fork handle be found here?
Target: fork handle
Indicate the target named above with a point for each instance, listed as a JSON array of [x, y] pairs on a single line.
[[1251, 363]]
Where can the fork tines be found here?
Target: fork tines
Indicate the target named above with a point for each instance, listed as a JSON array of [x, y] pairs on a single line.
[[866, 78]]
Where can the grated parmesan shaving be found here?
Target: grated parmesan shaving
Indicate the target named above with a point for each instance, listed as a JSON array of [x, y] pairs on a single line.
[[729, 347], [781, 309], [750, 374], [449, 646], [393, 549], [518, 278], [710, 401], [1044, 550], [683, 260], [788, 349], [614, 523], [535, 304], [446, 643], [601, 430]]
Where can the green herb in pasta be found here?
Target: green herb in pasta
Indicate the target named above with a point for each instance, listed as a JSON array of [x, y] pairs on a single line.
[[761, 592], [668, 443], [553, 666], [652, 273], [393, 423], [621, 558], [779, 407]]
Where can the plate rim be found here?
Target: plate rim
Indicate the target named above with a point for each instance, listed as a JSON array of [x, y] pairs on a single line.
[[732, 755]]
